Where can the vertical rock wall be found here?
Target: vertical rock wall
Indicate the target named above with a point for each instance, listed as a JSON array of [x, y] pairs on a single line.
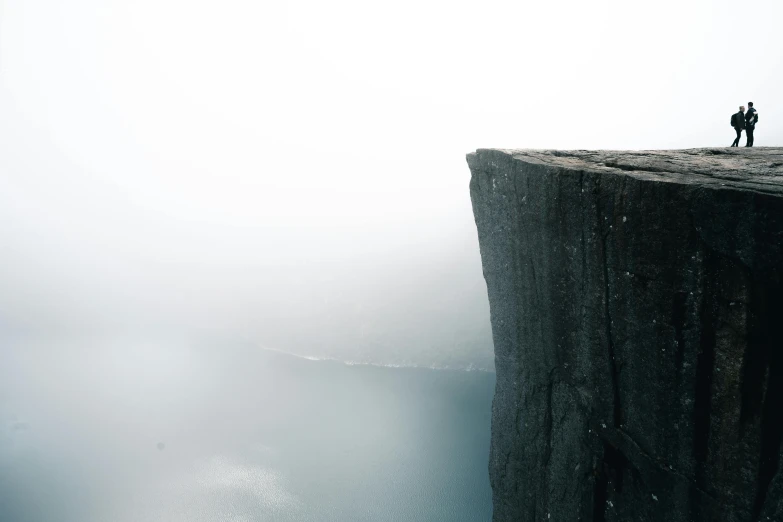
[[637, 315]]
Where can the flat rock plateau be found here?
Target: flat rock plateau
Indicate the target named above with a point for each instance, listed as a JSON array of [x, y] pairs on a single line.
[[637, 314]]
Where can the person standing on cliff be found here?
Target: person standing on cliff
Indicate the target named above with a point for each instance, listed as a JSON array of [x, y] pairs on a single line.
[[738, 122], [751, 118]]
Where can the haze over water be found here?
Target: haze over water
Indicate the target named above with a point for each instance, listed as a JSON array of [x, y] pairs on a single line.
[[165, 432], [291, 175]]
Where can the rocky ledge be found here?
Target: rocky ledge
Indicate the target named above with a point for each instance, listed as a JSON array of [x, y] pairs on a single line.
[[637, 315]]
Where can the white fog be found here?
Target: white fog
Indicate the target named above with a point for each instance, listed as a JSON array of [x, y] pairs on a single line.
[[191, 190]]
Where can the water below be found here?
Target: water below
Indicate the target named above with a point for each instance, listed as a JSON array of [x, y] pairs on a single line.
[[146, 435]]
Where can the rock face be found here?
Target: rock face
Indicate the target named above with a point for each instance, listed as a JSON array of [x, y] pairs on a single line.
[[637, 315]]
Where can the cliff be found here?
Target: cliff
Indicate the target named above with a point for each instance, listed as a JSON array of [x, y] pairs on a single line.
[[637, 315]]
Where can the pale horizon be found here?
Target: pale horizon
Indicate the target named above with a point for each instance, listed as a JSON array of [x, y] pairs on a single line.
[[186, 168]]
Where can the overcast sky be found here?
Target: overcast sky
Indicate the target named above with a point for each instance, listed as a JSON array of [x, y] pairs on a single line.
[[197, 164]]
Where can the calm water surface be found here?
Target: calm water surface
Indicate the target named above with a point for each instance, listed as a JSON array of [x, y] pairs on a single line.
[[162, 434]]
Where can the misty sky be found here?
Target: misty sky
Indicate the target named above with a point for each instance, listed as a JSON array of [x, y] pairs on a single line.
[[293, 173]]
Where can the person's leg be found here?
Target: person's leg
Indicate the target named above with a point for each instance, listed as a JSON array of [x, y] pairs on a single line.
[[749, 134], [739, 135]]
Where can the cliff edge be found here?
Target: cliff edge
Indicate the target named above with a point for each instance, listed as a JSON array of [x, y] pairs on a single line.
[[637, 315]]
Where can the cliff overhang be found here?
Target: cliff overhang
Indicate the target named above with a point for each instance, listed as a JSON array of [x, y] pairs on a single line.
[[637, 313]]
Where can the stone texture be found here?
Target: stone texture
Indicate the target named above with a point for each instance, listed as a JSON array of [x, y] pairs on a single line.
[[637, 315]]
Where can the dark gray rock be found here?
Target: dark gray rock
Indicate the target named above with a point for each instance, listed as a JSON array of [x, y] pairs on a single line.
[[637, 315]]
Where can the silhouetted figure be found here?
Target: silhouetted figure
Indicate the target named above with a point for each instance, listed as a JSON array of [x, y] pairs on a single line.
[[738, 122], [751, 118]]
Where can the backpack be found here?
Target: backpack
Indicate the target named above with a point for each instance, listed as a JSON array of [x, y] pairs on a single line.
[[734, 120]]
